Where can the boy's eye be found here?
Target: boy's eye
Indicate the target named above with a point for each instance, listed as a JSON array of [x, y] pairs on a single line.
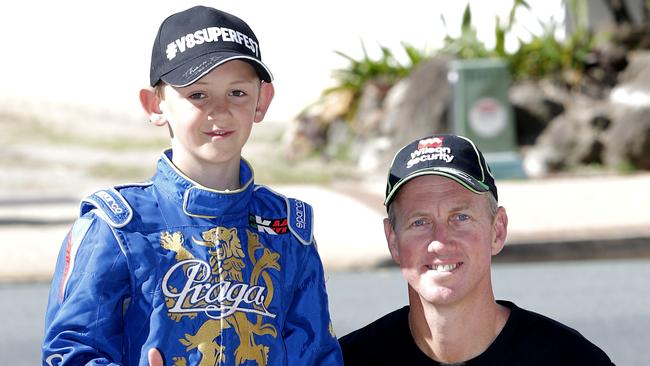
[[197, 96], [238, 93]]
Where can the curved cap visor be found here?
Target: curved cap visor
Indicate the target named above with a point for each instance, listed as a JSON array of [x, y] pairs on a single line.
[[195, 69], [460, 177]]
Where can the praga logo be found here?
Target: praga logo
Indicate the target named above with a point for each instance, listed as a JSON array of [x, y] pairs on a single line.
[[216, 290]]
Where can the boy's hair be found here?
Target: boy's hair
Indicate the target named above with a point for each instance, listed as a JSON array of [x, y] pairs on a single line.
[[191, 43], [159, 90]]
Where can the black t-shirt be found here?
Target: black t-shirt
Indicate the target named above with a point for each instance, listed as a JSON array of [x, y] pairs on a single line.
[[528, 339]]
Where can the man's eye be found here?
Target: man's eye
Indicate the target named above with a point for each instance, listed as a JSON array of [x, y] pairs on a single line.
[[419, 222], [462, 217]]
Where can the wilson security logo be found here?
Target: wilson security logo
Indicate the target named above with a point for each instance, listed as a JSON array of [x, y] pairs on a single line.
[[208, 35], [430, 149]]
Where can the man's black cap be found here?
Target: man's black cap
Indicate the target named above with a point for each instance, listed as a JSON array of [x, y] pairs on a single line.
[[451, 156]]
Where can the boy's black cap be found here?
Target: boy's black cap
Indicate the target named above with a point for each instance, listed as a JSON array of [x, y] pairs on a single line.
[[191, 43], [451, 156]]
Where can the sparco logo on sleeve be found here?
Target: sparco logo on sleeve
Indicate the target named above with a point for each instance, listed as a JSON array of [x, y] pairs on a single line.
[[110, 202], [212, 34], [300, 214]]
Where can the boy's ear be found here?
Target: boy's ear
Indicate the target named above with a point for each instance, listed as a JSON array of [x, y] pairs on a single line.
[[267, 91], [151, 104]]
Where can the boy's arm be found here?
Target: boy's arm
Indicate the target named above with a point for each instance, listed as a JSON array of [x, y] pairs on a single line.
[[89, 290], [308, 333]]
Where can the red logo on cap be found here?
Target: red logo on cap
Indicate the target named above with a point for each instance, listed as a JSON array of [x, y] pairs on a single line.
[[431, 142]]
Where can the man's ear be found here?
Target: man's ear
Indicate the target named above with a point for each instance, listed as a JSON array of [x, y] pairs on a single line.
[[267, 91], [499, 230], [391, 240], [151, 104]]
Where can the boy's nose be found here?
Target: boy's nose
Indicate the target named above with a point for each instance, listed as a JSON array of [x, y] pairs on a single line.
[[217, 108]]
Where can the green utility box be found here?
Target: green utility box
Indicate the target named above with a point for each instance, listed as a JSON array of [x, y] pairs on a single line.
[[482, 112]]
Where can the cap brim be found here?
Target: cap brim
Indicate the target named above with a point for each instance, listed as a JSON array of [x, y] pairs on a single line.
[[460, 177], [195, 69]]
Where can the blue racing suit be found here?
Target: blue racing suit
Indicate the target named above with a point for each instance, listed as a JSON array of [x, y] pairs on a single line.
[[207, 277]]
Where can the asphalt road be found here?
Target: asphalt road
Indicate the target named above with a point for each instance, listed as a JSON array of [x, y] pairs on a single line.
[[607, 301]]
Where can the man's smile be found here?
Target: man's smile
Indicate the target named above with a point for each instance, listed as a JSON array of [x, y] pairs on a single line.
[[447, 267]]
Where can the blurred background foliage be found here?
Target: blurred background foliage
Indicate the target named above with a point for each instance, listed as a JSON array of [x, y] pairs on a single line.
[[541, 56]]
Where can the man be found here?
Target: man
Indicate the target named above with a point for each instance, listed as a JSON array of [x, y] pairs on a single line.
[[443, 227]]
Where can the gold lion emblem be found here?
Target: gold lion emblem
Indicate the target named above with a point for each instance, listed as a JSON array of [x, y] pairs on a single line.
[[227, 261]]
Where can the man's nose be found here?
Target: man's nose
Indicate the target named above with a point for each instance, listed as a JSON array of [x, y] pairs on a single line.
[[439, 240]]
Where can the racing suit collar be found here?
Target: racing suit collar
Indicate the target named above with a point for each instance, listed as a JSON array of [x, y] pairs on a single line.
[[200, 201]]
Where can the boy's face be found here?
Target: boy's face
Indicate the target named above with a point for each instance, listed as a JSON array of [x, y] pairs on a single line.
[[211, 120]]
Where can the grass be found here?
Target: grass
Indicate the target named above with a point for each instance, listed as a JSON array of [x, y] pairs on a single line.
[[30, 129], [104, 143], [264, 151], [307, 171], [122, 172]]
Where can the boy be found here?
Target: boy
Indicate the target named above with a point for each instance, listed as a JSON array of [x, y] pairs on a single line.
[[200, 263]]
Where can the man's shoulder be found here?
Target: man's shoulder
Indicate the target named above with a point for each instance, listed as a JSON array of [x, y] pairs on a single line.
[[537, 323], [386, 341], [382, 330], [551, 337]]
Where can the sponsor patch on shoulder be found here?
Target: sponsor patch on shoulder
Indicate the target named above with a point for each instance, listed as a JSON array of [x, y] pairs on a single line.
[[269, 226], [300, 219], [111, 204]]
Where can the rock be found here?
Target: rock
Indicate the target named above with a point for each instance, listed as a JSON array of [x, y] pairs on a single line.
[[627, 142], [303, 136], [417, 105], [638, 67], [540, 161], [370, 108], [573, 138], [308, 132], [596, 115], [533, 111], [633, 89], [372, 154], [334, 106]]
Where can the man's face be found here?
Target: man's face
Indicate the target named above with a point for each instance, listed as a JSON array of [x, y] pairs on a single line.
[[443, 239]]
